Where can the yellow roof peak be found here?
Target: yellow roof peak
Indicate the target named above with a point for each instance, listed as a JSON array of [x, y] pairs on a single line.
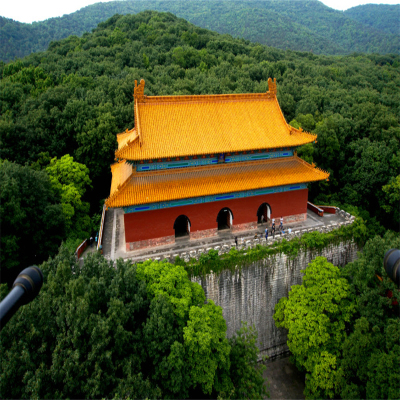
[[140, 97], [180, 126], [138, 91], [272, 87]]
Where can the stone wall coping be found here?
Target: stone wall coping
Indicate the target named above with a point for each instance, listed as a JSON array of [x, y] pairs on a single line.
[[251, 243]]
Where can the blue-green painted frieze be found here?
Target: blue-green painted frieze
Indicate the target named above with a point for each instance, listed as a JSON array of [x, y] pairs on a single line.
[[176, 164], [217, 197], [259, 156], [219, 158]]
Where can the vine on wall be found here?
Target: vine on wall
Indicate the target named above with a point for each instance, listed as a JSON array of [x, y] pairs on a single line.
[[214, 262]]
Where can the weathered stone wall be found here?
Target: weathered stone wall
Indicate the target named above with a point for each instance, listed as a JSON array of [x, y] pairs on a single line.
[[250, 294]]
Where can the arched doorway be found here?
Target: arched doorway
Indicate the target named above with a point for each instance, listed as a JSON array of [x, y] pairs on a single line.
[[224, 219], [182, 226], [263, 213]]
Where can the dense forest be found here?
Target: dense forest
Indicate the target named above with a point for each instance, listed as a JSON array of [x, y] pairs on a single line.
[[383, 17], [306, 25], [61, 111], [129, 332], [141, 331]]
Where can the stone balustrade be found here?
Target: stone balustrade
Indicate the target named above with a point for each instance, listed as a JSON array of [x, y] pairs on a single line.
[[253, 242]]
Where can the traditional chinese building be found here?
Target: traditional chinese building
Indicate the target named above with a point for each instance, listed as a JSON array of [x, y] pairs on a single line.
[[195, 165]]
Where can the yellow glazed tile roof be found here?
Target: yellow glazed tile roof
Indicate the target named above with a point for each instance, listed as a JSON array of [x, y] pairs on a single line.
[[121, 171], [177, 126], [157, 186], [125, 138]]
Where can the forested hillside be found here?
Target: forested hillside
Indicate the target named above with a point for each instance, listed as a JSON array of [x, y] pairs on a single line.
[[145, 331], [306, 25], [383, 17], [61, 109]]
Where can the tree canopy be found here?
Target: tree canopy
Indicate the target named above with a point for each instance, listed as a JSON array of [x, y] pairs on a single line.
[[382, 17], [131, 331], [315, 315], [343, 326], [70, 180], [32, 222]]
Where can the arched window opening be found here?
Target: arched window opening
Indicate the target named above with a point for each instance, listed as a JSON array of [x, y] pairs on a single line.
[[182, 226], [264, 213], [224, 219]]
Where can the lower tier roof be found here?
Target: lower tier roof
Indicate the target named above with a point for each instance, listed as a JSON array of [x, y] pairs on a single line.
[[165, 185]]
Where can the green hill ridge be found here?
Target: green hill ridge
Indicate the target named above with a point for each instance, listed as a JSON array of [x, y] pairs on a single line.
[[382, 17], [306, 25]]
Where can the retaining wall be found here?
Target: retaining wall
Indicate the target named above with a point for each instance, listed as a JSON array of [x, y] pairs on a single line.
[[250, 294]]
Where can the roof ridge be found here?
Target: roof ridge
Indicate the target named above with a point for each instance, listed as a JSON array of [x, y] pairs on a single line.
[[313, 165], [119, 151], [120, 187], [206, 97], [140, 97]]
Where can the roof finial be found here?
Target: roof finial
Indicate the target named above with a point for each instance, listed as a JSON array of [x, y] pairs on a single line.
[[272, 87], [138, 91]]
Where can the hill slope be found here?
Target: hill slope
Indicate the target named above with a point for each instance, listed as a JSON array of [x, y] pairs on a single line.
[[383, 17], [305, 25], [75, 97]]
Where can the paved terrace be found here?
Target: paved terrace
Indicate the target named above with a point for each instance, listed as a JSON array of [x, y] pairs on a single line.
[[114, 237]]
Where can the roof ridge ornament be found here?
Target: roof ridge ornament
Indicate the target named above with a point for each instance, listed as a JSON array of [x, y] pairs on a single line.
[[138, 91], [272, 87]]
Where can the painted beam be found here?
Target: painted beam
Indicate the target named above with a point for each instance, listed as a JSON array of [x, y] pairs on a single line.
[[210, 199], [195, 162]]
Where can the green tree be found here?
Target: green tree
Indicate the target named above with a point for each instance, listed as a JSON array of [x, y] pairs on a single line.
[[392, 199], [70, 180], [100, 330], [197, 362], [316, 314], [97, 141], [306, 122], [246, 372], [207, 348], [343, 326], [371, 352], [370, 364], [32, 221], [81, 338], [373, 164]]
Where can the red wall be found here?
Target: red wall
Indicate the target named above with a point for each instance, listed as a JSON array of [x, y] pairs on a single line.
[[158, 223]]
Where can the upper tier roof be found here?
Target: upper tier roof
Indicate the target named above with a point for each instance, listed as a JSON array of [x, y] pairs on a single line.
[[178, 126], [133, 188]]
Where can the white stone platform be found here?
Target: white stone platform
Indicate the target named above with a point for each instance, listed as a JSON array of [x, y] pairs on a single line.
[[114, 237]]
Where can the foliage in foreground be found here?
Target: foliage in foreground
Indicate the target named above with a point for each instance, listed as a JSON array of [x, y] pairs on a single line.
[[41, 205], [140, 331], [344, 326], [32, 220]]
